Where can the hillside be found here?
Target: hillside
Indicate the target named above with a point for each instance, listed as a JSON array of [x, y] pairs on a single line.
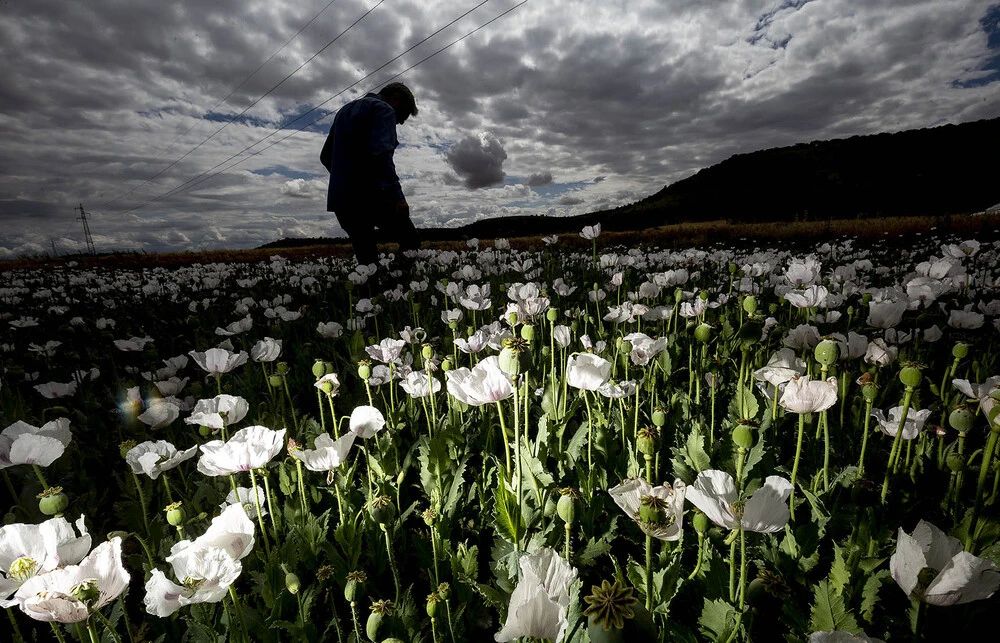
[[951, 169]]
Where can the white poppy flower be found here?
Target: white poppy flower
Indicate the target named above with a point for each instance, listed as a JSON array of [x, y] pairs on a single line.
[[766, 511], [160, 414], [243, 496], [153, 458], [219, 411], [483, 384], [802, 395], [932, 567], [587, 371], [52, 596], [219, 360], [540, 601], [911, 428], [591, 232], [840, 636], [880, 353], [249, 448], [327, 454], [22, 443], [418, 384], [266, 350], [629, 494], [28, 550], [366, 421]]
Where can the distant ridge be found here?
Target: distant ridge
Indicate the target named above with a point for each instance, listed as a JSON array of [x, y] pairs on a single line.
[[937, 171]]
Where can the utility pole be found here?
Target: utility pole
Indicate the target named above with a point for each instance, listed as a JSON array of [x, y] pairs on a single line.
[[86, 230]]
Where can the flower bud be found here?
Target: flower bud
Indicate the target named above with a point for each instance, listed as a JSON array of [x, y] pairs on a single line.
[[292, 583], [700, 522]]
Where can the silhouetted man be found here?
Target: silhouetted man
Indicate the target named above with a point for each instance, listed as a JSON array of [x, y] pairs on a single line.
[[364, 190]]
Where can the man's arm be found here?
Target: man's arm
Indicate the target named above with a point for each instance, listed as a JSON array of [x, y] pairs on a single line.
[[326, 156], [382, 143]]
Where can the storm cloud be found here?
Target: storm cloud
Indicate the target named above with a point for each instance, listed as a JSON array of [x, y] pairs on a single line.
[[177, 125]]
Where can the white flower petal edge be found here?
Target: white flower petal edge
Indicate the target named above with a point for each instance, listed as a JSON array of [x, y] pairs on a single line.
[[767, 509], [714, 492]]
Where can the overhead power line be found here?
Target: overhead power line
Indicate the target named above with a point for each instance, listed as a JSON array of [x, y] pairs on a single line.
[[205, 176], [228, 96]]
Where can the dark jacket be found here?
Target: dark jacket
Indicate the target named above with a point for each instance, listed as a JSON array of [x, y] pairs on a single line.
[[358, 154]]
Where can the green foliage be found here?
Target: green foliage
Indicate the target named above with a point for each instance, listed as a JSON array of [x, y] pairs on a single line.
[[829, 612]]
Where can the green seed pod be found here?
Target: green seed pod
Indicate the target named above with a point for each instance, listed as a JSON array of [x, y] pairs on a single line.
[[355, 585], [678, 295], [528, 332], [869, 390], [283, 368], [956, 461], [616, 616], [743, 436], [446, 364], [275, 380], [364, 370], [382, 510], [569, 498], [371, 627], [552, 314], [204, 431], [432, 602], [427, 351], [86, 592], [962, 419], [733, 268], [515, 357], [659, 416], [960, 350], [750, 304], [52, 501], [625, 346], [652, 509], [826, 352], [327, 368], [910, 376], [318, 369], [326, 387], [703, 332], [175, 514], [647, 440]]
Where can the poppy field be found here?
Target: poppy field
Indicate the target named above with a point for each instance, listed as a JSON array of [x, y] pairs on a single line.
[[731, 442]]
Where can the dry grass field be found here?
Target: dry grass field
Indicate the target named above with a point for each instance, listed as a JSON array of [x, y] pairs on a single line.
[[869, 229]]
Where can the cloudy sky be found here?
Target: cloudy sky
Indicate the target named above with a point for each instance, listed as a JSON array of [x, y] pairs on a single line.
[[173, 123]]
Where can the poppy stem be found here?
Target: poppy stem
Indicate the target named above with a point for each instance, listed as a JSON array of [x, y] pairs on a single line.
[[864, 435], [260, 518], [506, 440], [795, 465], [649, 573], [142, 501]]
